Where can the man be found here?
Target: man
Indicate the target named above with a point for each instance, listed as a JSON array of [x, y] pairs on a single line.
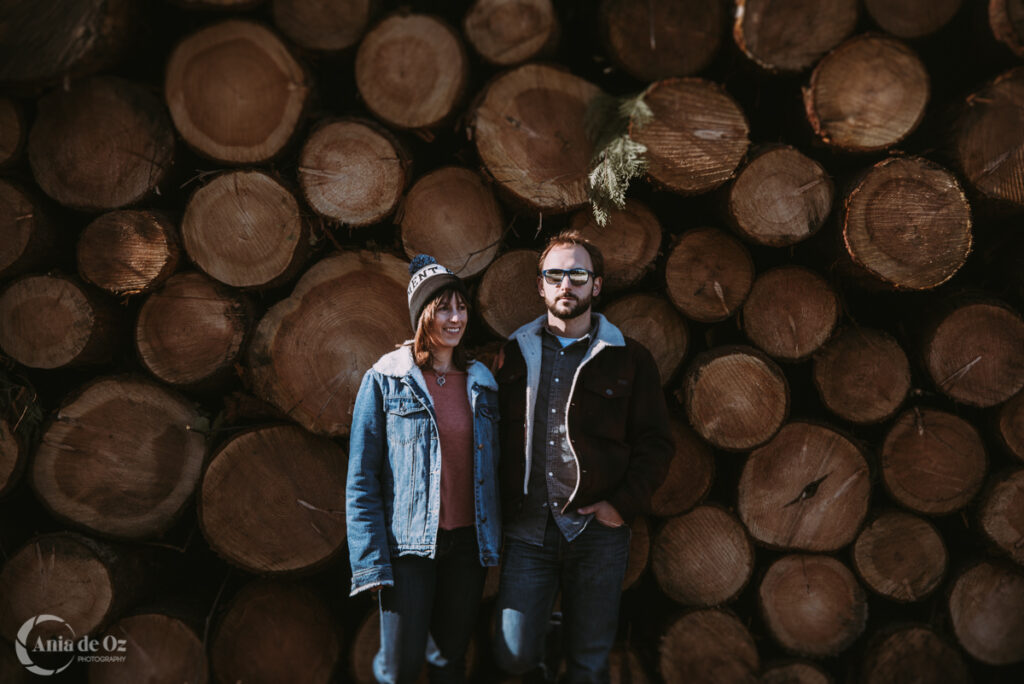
[[595, 445]]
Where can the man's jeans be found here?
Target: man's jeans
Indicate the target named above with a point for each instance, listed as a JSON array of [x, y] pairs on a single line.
[[439, 596], [589, 570]]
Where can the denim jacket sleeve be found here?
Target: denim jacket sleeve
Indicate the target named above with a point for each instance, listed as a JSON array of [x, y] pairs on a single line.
[[369, 554]]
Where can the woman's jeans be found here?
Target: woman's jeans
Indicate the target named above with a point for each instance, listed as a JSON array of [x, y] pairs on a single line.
[[435, 598]]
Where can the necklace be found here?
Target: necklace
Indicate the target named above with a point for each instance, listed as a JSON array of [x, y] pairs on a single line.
[[439, 378]]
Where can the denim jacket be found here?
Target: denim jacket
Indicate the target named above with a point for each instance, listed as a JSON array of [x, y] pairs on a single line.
[[393, 493]]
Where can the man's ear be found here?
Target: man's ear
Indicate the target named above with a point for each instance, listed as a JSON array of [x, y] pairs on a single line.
[[540, 286], [598, 282]]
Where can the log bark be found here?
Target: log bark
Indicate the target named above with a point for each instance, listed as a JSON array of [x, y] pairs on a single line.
[[629, 242], [736, 397], [707, 646], [509, 32], [529, 132], [1001, 514], [52, 321], [702, 558], [452, 215], [345, 311], [128, 251], [323, 25], [251, 121], [639, 551], [790, 313], [913, 653], [933, 462], [13, 131], [862, 375], [812, 605], [1011, 425], [866, 95], [697, 137], [274, 632], [807, 489], [191, 332], [1006, 19], [159, 648], [900, 556], [708, 274], [272, 500], [975, 355], [44, 40], [690, 474], [654, 323], [245, 229], [122, 458], [908, 223], [992, 122], [912, 18], [85, 582], [103, 143], [28, 237], [411, 71], [780, 197], [507, 297], [651, 41], [791, 36], [986, 607], [353, 171], [796, 672]]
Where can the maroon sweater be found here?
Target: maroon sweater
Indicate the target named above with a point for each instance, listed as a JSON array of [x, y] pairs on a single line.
[[455, 423]]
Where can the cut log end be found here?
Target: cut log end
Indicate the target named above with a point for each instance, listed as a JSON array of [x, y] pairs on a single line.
[[986, 606], [991, 135], [913, 653], [508, 32], [862, 375], [128, 252], [1001, 514], [912, 18], [791, 36], [1011, 425], [690, 474], [629, 242], [157, 648], [790, 313], [323, 26], [13, 131], [654, 323], [900, 556], [708, 274], [707, 646], [507, 297], [27, 237]]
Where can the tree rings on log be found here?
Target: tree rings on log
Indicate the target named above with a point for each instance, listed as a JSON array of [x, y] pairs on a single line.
[[908, 223], [933, 462], [867, 94], [344, 313], [530, 134], [508, 32], [900, 556], [276, 632], [697, 138], [656, 40], [1001, 515], [246, 230], [975, 355], [808, 489], [654, 323], [987, 610], [101, 144], [736, 397], [1010, 422], [452, 215], [708, 274], [190, 332], [1006, 19], [702, 558], [812, 605], [508, 297], [249, 122], [13, 131], [323, 26], [690, 473], [708, 647], [862, 375], [272, 500], [780, 197], [353, 172], [990, 128], [411, 71], [794, 672], [629, 242], [161, 648], [912, 18], [128, 251], [121, 458], [27, 237], [790, 313], [791, 36], [639, 551], [914, 653], [51, 321]]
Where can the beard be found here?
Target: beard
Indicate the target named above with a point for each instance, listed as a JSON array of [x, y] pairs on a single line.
[[568, 310]]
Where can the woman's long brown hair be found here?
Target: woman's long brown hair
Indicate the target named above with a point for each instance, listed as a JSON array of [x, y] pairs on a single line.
[[423, 343]]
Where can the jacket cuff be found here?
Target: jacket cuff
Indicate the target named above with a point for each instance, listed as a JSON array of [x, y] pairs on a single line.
[[368, 579]]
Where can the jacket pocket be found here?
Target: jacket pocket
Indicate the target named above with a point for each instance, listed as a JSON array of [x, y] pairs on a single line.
[[407, 420]]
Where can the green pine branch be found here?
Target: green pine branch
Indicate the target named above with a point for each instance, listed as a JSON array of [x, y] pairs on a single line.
[[617, 159]]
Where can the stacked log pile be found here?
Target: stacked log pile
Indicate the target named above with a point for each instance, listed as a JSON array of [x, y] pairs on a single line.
[[207, 209]]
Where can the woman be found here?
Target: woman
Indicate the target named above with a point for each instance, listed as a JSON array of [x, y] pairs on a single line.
[[422, 499]]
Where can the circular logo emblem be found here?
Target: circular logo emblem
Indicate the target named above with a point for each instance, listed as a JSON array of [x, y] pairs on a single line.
[[45, 645]]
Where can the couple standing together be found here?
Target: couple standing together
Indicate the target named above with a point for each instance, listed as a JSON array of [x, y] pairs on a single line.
[[583, 438]]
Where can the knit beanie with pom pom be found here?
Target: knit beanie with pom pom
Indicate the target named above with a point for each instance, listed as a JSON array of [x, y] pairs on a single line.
[[428, 278]]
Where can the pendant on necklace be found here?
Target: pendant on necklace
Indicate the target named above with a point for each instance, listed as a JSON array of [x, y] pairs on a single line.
[[439, 379]]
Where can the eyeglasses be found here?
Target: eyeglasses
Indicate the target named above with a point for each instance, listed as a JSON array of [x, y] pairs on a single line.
[[577, 276]]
